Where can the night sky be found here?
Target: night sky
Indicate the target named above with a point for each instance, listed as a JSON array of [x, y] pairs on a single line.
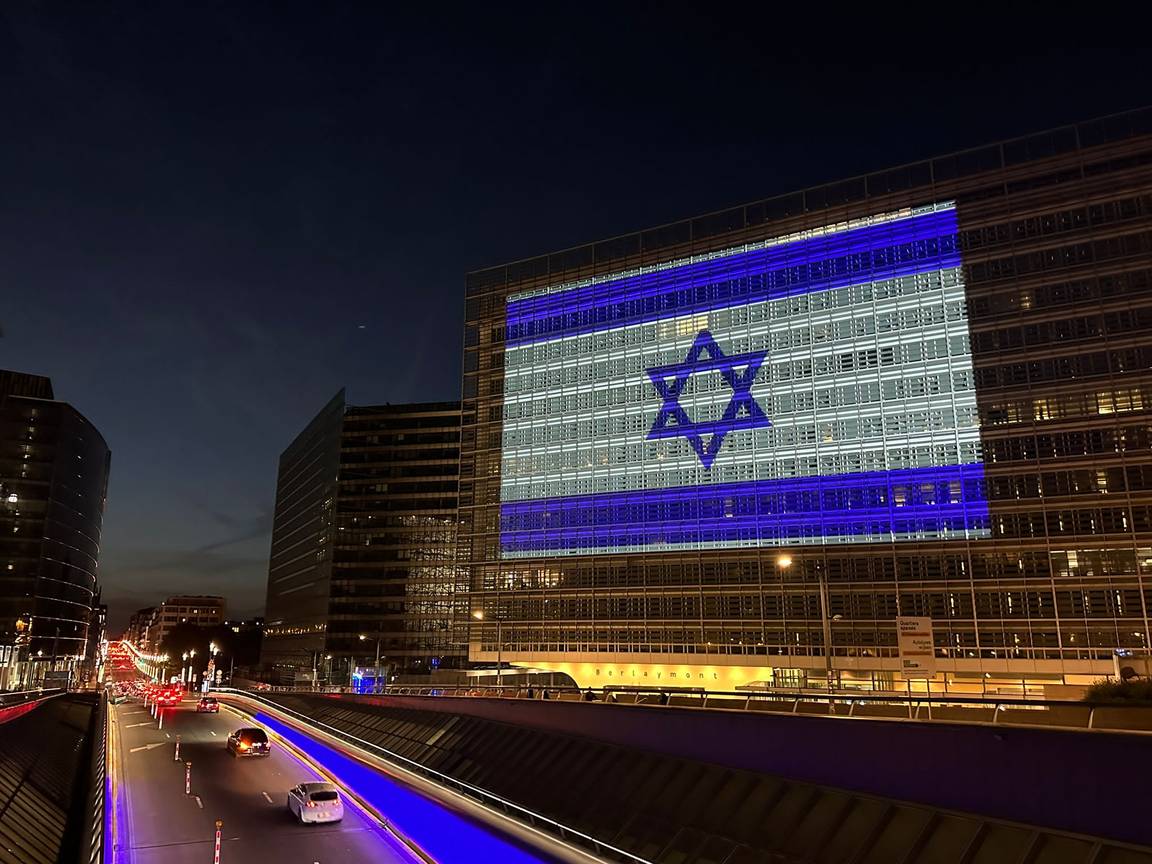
[[213, 216]]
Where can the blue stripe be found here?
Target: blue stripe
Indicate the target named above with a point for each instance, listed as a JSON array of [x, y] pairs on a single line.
[[923, 502], [918, 244]]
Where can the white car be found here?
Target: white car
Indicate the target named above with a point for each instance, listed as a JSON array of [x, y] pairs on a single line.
[[315, 802]]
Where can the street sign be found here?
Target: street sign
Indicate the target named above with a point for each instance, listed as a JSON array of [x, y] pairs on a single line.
[[914, 642]]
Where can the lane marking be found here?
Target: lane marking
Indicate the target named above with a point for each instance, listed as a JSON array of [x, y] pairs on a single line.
[[212, 733], [135, 725], [199, 803], [375, 819], [145, 747], [267, 797], [166, 735]]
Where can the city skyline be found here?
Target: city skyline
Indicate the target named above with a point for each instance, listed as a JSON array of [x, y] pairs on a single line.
[[167, 273]]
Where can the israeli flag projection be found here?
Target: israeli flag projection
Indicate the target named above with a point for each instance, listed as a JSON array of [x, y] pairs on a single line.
[[815, 388]]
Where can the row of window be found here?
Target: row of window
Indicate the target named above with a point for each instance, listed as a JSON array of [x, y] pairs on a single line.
[[773, 602], [1083, 365], [912, 351], [1065, 330], [570, 472], [1056, 484], [948, 635], [1121, 400], [1063, 445], [882, 306], [837, 529], [1090, 252], [905, 387], [961, 565], [914, 421], [1085, 291], [738, 286], [1056, 222]]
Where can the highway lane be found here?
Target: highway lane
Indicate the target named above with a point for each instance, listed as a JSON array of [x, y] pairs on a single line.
[[165, 826]]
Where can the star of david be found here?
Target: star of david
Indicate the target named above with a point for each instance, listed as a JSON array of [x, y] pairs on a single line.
[[743, 412]]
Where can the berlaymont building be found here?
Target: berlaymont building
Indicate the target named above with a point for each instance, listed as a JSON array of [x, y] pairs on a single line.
[[887, 431]]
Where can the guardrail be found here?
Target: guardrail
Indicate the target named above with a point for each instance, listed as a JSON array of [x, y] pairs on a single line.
[[1058, 713], [19, 697], [486, 799], [92, 846], [17, 703]]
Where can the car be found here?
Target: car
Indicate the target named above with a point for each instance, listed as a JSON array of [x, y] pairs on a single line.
[[250, 741], [208, 703], [315, 802], [168, 697]]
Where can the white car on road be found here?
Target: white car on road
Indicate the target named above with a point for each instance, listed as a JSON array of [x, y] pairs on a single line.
[[316, 802]]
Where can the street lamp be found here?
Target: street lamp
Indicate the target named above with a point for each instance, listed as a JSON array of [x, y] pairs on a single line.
[[784, 561], [184, 668], [479, 616], [376, 668], [328, 657], [213, 649]]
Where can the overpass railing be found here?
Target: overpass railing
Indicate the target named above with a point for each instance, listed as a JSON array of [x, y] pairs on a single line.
[[1057, 713], [93, 838], [488, 800]]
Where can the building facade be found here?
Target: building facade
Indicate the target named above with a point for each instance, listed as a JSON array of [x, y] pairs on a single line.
[[137, 630], [363, 544], [53, 484], [199, 610], [745, 449]]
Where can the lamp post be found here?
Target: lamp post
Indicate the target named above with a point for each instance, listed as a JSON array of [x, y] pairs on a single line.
[[328, 680], [184, 668], [214, 649], [784, 562], [376, 668], [479, 616]]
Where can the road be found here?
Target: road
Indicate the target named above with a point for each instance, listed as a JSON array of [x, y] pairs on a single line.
[[165, 826]]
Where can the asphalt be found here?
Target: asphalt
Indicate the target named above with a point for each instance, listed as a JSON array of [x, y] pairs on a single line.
[[162, 825]]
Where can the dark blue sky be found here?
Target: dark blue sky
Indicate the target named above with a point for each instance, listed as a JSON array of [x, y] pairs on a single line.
[[212, 216]]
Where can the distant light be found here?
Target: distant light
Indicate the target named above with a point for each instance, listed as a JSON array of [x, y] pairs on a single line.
[[13, 498], [784, 561]]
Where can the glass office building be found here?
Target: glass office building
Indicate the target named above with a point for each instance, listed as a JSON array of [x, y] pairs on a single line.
[[733, 451], [53, 485], [363, 544]]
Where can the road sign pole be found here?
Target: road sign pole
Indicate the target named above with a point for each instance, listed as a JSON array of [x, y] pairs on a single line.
[[176, 758], [187, 778], [216, 855]]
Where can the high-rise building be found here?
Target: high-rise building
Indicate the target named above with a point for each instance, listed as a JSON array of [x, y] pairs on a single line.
[[751, 448], [53, 483], [363, 543]]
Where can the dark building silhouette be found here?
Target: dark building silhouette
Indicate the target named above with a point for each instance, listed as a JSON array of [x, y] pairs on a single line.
[[53, 484], [363, 543], [734, 450]]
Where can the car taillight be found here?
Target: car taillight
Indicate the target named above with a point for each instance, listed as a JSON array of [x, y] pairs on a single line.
[[243, 745]]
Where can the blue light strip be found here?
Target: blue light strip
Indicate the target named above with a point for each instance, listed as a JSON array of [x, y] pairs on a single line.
[[445, 835], [912, 503], [904, 247]]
